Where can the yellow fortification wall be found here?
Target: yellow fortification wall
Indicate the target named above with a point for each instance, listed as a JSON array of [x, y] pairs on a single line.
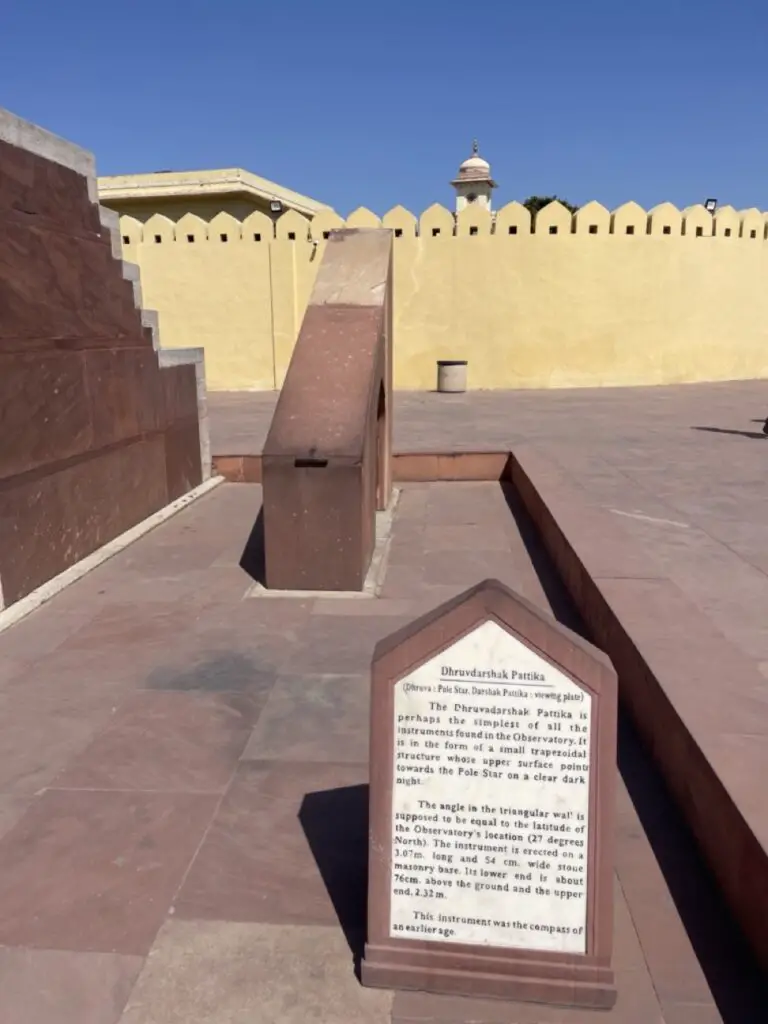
[[603, 298]]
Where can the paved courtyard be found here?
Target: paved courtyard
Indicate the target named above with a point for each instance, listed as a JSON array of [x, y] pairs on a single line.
[[183, 768], [682, 468]]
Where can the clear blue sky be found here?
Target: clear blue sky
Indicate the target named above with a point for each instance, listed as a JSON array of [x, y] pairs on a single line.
[[360, 103]]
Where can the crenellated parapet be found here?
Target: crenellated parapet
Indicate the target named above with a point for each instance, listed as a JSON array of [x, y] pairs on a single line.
[[600, 297], [512, 220]]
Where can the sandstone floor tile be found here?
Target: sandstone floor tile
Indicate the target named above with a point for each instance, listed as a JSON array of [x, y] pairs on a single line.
[[693, 1013], [467, 537], [238, 502], [46, 986], [43, 631], [410, 516], [128, 624], [412, 506], [627, 949], [288, 845], [331, 645], [466, 567], [311, 717], [409, 529], [37, 738], [211, 972], [354, 607], [184, 742], [676, 970], [444, 509], [12, 808], [402, 581], [10, 668], [406, 550], [258, 617], [196, 588], [163, 553], [463, 503], [97, 871], [84, 674], [428, 598]]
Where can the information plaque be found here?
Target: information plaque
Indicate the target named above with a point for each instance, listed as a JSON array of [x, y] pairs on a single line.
[[493, 761]]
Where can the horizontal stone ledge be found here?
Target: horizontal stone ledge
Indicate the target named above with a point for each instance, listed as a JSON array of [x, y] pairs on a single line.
[[34, 139], [693, 696], [180, 356]]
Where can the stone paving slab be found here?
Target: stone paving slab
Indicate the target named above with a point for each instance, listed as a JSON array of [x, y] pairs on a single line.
[[205, 823], [682, 468], [223, 972], [52, 986], [486, 420]]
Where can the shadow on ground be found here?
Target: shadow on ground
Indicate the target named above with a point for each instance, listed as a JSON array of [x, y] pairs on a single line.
[[253, 559], [756, 435], [562, 607], [335, 823]]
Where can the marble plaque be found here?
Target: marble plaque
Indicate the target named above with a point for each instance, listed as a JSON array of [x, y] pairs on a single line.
[[491, 806], [490, 799]]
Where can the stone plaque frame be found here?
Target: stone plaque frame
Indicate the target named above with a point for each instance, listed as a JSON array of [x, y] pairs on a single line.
[[571, 979]]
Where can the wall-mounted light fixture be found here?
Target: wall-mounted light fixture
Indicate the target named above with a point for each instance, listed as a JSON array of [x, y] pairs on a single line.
[[711, 205], [276, 206]]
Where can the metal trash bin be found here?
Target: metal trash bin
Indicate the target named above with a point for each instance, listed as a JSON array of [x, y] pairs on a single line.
[[451, 376]]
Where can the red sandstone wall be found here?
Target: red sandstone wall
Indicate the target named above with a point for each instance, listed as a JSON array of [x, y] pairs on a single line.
[[94, 435]]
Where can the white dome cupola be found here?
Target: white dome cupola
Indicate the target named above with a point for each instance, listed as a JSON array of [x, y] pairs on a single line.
[[474, 183]]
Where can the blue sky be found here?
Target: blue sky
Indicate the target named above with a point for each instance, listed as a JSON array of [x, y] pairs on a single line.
[[359, 103]]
